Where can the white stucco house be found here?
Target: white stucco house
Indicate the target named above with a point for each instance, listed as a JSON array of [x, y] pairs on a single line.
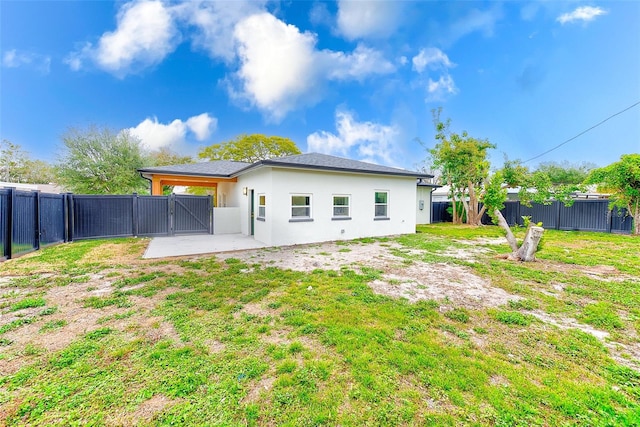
[[306, 198]]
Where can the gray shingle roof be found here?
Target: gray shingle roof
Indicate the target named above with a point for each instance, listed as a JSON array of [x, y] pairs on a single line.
[[219, 168], [316, 161], [333, 163]]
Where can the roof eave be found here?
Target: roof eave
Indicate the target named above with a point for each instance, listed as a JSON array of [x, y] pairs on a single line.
[[273, 163], [146, 172]]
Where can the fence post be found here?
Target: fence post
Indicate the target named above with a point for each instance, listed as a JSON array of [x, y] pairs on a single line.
[[36, 215], [558, 210], [9, 242], [65, 219], [211, 206], [71, 217], [134, 217], [172, 211]]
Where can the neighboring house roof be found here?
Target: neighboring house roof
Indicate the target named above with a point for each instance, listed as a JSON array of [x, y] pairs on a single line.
[[316, 161], [423, 183], [45, 188]]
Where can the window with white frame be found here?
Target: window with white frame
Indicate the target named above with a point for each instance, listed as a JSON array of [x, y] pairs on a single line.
[[262, 206], [341, 206], [381, 203], [300, 206]]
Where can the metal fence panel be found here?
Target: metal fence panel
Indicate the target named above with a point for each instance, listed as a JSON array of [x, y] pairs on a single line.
[[546, 214], [585, 215], [102, 216], [621, 222], [24, 236], [52, 219], [439, 212], [153, 216], [511, 213], [192, 214]]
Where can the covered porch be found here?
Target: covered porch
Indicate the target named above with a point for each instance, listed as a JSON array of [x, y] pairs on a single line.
[[218, 176], [158, 181]]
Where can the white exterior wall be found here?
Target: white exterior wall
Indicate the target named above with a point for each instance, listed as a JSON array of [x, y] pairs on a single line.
[[226, 220], [227, 195], [423, 216], [280, 184], [260, 181]]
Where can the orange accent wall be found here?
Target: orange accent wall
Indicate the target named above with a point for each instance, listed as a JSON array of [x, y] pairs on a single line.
[[157, 181]]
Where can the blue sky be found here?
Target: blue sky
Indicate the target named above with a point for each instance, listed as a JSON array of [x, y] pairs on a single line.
[[351, 78]]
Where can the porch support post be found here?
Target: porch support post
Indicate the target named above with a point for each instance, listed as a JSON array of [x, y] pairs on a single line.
[[156, 186]]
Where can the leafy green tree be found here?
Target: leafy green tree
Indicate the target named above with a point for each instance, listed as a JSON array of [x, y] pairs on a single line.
[[38, 172], [462, 161], [17, 166], [250, 148], [166, 157], [622, 180], [566, 173], [101, 161], [12, 159]]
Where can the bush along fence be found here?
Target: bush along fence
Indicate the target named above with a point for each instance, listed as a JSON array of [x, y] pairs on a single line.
[[31, 220], [583, 215]]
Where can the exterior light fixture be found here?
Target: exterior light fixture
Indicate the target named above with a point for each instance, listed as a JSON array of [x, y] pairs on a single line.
[[245, 190]]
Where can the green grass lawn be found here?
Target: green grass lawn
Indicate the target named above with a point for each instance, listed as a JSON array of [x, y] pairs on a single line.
[[201, 341]]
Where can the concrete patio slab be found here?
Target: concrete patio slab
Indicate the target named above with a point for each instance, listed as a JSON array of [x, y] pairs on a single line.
[[161, 247]]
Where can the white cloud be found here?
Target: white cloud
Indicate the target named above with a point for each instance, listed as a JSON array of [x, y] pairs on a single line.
[[435, 60], [482, 21], [432, 58], [277, 63], [146, 33], [155, 135], [15, 59], [583, 13], [280, 68], [202, 125], [320, 15], [215, 22], [362, 62], [74, 59], [371, 141], [276, 67], [360, 19], [440, 89]]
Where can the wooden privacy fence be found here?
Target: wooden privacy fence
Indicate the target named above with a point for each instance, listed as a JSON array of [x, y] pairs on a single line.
[[583, 215], [31, 220]]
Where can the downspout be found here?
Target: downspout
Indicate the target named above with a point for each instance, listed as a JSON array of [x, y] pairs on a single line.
[[150, 183]]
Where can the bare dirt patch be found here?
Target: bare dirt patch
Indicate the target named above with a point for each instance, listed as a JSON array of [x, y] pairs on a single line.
[[254, 309], [569, 323], [448, 283], [278, 337], [325, 256], [442, 282], [262, 386], [145, 412], [215, 346]]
